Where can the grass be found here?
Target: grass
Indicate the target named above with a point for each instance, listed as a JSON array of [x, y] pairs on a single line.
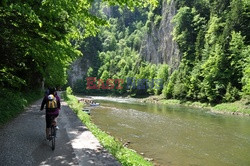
[[12, 103], [238, 107], [161, 100], [125, 156], [241, 107]]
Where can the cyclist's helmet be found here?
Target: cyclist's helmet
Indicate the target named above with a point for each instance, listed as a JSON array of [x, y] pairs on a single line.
[[50, 97]]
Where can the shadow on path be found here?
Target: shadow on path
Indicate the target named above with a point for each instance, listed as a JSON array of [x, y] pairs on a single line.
[[22, 141]]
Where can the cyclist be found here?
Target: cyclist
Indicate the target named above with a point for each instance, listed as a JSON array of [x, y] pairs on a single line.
[[53, 106]]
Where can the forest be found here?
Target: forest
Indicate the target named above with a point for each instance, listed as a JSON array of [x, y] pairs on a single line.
[[212, 37], [182, 51], [40, 40], [38, 37]]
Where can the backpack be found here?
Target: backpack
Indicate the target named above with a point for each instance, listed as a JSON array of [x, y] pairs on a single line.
[[51, 103]]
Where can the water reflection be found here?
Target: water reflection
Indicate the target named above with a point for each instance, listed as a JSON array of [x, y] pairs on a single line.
[[177, 135]]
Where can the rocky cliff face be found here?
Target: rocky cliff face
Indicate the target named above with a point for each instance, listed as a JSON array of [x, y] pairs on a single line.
[[159, 46], [78, 70]]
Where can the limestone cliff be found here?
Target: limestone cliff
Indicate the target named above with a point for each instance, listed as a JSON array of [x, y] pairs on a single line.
[[78, 70], [158, 45]]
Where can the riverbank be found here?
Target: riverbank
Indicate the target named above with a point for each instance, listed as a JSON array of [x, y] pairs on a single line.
[[241, 107], [124, 155]]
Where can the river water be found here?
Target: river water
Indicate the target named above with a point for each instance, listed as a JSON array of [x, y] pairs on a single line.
[[174, 135]]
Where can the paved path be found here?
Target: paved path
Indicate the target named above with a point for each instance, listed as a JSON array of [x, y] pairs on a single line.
[[22, 141]]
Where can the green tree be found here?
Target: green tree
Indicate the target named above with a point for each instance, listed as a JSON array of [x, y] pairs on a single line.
[[44, 34], [184, 32], [213, 84], [194, 87], [236, 59], [162, 78], [246, 72], [169, 86], [232, 93]]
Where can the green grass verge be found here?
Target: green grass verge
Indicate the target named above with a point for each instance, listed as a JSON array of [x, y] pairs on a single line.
[[12, 103], [185, 103], [125, 156], [238, 107], [241, 107]]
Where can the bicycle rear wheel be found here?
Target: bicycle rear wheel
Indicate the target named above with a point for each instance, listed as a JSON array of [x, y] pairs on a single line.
[[53, 137]]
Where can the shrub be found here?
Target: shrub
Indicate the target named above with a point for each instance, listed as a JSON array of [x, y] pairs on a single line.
[[12, 103], [232, 94]]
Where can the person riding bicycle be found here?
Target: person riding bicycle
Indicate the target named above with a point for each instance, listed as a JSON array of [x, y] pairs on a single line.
[[53, 106]]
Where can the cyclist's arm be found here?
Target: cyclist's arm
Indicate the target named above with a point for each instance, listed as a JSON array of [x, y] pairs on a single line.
[[43, 103], [58, 103]]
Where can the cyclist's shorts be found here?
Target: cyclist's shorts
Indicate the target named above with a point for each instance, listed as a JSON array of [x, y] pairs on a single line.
[[49, 119]]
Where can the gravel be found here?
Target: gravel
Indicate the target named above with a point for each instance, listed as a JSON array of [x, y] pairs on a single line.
[[22, 141]]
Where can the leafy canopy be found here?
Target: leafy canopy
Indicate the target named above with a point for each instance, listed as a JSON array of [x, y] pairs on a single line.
[[39, 39]]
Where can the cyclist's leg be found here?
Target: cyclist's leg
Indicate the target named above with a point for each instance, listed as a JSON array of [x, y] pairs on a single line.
[[48, 124], [54, 121]]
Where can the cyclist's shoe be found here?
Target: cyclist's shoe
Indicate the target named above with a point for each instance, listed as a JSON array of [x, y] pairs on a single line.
[[57, 128]]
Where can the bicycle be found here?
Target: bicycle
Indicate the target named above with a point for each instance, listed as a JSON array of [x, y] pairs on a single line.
[[52, 136]]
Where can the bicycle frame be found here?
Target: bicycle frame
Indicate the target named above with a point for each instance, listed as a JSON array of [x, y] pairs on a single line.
[[53, 135]]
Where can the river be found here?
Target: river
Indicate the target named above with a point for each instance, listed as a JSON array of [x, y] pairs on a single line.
[[174, 135]]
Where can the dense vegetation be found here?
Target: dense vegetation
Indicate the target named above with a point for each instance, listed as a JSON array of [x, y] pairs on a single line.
[[212, 37], [12, 103], [39, 40], [118, 57]]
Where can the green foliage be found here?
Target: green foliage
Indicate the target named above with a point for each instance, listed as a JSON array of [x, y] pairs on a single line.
[[90, 72], [168, 2], [182, 83], [209, 34], [12, 103], [246, 73], [184, 32], [235, 108], [157, 20], [232, 94], [149, 26], [119, 57], [237, 58], [105, 75], [212, 37], [42, 38], [195, 83], [110, 43], [213, 85], [162, 74], [150, 16], [131, 3], [69, 91], [80, 86], [169, 87]]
